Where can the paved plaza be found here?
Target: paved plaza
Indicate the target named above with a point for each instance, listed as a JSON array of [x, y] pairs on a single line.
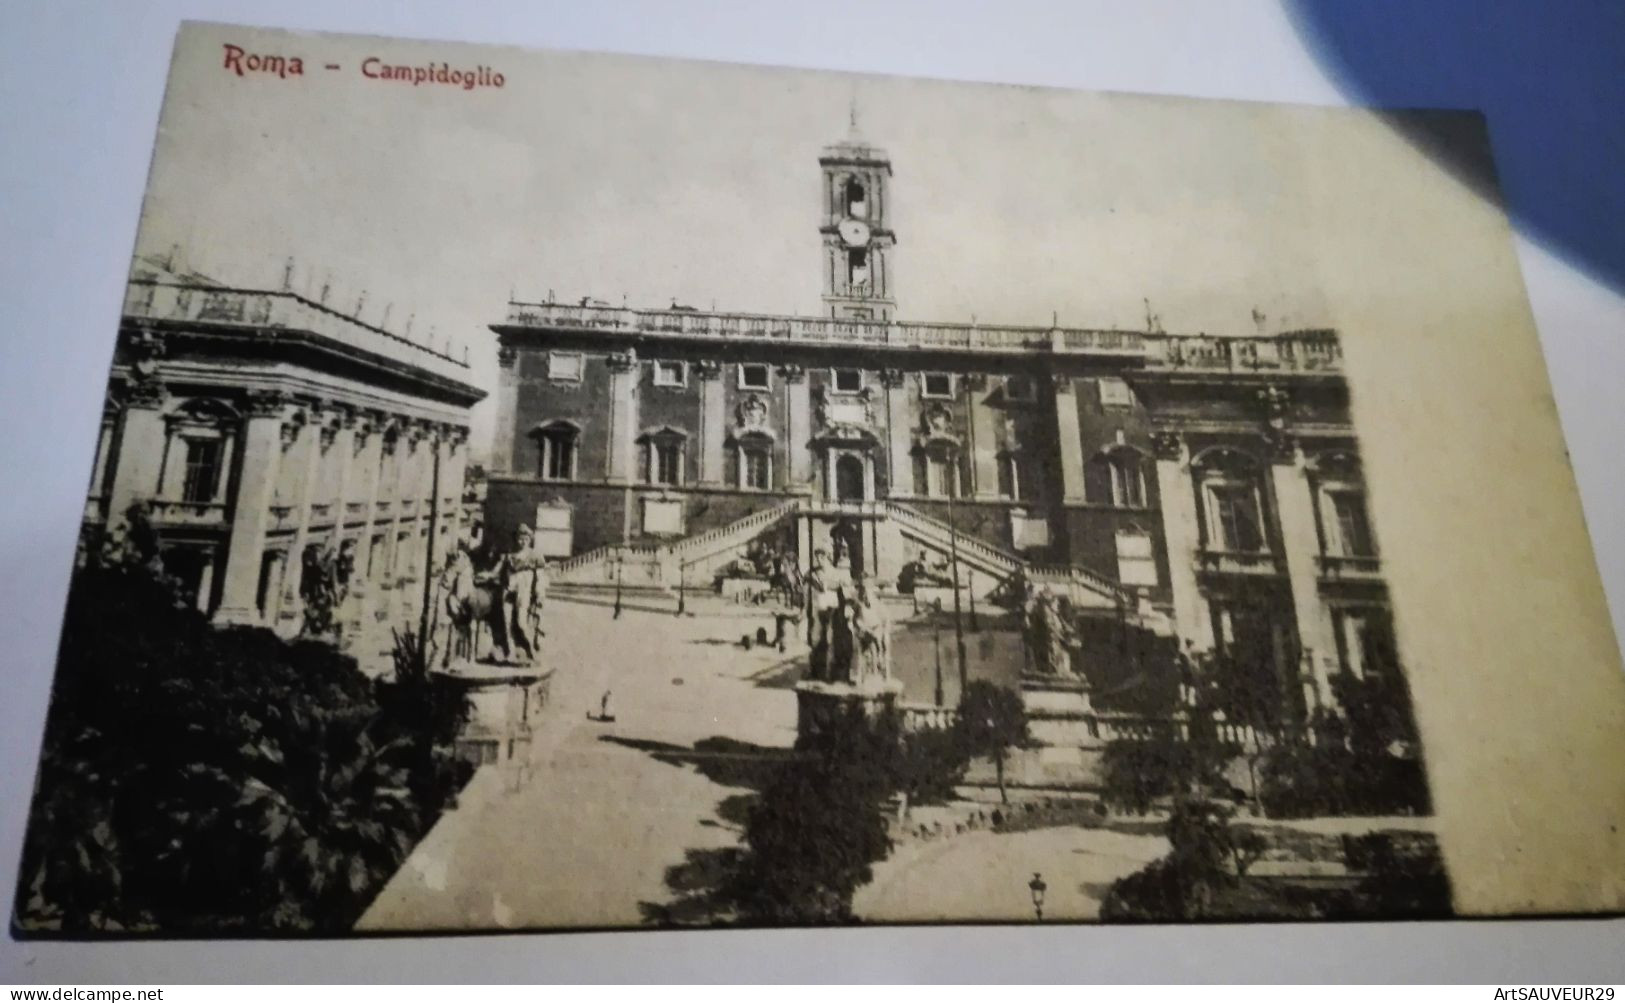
[[609, 808]]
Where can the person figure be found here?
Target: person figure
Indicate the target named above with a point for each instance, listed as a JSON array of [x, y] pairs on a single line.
[[822, 602], [1052, 638], [523, 581], [456, 586], [842, 639]]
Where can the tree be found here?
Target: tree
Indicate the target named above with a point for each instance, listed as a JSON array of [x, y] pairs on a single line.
[[991, 720], [818, 827]]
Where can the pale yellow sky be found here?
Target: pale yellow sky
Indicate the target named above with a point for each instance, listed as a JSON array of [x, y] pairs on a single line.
[[648, 180]]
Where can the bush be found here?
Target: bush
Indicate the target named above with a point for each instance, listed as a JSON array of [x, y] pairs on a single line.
[[1300, 780], [196, 780], [1184, 884], [1405, 874]]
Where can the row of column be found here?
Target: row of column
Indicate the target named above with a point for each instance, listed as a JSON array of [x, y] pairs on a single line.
[[1293, 492], [283, 455]]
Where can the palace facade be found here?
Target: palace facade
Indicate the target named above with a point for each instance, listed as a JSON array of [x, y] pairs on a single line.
[[1208, 484], [259, 428]]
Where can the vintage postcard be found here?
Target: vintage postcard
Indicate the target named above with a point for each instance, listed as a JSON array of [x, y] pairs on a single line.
[[549, 491]]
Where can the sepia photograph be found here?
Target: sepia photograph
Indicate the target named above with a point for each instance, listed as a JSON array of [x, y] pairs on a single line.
[[547, 491]]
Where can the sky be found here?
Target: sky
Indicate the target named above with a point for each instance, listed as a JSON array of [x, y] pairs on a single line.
[[642, 180]]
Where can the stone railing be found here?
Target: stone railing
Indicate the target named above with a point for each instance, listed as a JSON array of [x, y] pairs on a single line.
[[1067, 575], [152, 300], [824, 330], [969, 546], [186, 513], [1338, 567], [699, 546], [926, 716], [1237, 562], [1305, 352], [1293, 352]]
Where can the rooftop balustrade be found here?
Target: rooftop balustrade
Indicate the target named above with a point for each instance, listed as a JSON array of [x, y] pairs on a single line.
[[1292, 352]]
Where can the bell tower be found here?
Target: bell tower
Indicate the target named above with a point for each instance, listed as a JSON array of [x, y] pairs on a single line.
[[857, 235]]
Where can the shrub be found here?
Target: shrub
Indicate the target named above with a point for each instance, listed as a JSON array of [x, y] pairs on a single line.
[[1184, 884], [812, 836], [1405, 874], [197, 780]]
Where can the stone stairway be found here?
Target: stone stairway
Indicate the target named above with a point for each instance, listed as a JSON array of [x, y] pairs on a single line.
[[987, 568], [665, 566]]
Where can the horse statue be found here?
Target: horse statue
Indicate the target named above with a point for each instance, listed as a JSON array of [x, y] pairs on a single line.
[[471, 600]]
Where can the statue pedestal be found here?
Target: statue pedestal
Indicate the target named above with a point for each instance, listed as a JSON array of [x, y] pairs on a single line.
[[819, 705], [1060, 718], [503, 704]]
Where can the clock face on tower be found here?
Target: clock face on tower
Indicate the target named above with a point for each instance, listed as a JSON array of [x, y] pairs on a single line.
[[855, 232]]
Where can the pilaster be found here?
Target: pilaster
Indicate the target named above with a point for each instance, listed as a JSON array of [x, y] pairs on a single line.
[[141, 449], [1294, 504], [983, 444], [261, 459], [507, 417], [798, 426], [623, 416], [1070, 437], [899, 469], [713, 421], [1181, 536]]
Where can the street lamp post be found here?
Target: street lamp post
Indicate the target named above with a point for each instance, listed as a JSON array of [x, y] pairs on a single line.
[[953, 560], [936, 646], [620, 563], [682, 590], [1037, 887]]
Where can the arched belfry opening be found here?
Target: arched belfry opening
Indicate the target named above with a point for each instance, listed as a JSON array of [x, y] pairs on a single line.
[[856, 198]]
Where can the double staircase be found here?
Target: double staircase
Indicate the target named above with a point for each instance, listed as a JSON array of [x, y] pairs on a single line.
[[666, 566], [693, 561]]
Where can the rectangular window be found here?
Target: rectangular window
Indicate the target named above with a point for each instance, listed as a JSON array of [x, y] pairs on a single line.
[[1365, 642], [665, 462], [564, 366], [1136, 560], [1019, 390], [1128, 482], [1010, 476], [936, 385], [758, 469], [1353, 530], [1115, 393], [848, 381], [671, 374], [558, 455], [1236, 524], [202, 470], [753, 376]]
